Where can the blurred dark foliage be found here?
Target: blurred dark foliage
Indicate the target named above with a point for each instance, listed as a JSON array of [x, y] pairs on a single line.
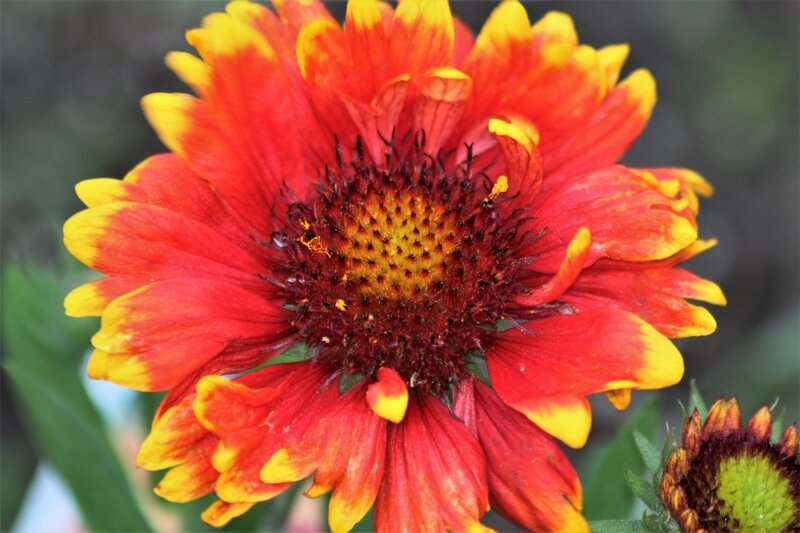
[[727, 73]]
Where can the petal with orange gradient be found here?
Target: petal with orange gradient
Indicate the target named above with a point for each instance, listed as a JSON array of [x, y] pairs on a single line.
[[547, 77], [629, 216], [607, 133], [178, 441], [346, 447], [165, 181], [144, 240], [274, 408], [91, 298], [366, 37], [144, 351], [502, 51], [428, 24], [544, 372], [657, 295], [450, 489], [531, 481], [692, 184]]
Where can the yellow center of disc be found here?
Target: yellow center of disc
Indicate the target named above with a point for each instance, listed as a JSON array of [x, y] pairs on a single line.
[[398, 246]]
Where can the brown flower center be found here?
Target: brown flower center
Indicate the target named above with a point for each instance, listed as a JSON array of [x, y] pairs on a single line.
[[406, 266]]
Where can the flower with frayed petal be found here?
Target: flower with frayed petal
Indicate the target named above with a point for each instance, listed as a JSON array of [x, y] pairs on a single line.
[[463, 258], [729, 478]]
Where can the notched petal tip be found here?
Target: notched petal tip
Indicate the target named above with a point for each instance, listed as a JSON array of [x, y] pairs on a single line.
[[220, 512], [555, 27], [723, 417], [388, 397]]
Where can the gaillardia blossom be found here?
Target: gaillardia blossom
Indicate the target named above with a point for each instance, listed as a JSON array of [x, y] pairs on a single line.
[[725, 478], [439, 220]]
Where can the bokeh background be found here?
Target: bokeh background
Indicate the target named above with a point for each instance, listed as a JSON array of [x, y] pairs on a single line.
[[72, 76]]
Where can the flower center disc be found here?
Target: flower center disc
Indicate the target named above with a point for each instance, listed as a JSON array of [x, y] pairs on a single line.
[[399, 246], [404, 266]]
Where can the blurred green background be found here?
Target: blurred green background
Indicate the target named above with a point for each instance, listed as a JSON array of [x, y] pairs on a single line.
[[72, 76]]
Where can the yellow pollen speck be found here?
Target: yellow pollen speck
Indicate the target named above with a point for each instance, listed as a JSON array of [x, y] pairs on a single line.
[[326, 340], [341, 305], [315, 245], [499, 187], [305, 224]]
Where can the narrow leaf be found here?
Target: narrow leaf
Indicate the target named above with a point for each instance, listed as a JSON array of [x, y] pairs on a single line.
[[696, 401], [43, 348], [649, 453], [642, 489], [606, 491], [617, 526]]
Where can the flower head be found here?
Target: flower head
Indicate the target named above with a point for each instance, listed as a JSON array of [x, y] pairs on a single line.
[[729, 478], [439, 221]]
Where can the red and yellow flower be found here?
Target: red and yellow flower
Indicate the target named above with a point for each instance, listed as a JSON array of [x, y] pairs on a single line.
[[440, 220]]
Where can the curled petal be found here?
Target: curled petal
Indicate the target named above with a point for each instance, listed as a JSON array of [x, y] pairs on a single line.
[[569, 270], [443, 92], [522, 159], [388, 397]]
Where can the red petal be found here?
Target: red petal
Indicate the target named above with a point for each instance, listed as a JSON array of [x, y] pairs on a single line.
[[435, 474], [378, 121], [462, 41], [629, 216], [157, 336], [522, 160], [178, 440], [656, 295], [346, 447], [150, 242], [544, 375], [366, 36], [421, 37], [608, 132], [254, 418], [530, 479]]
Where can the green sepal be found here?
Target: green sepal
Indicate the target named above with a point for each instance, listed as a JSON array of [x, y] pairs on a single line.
[[348, 381], [617, 526], [649, 453], [696, 401], [643, 489]]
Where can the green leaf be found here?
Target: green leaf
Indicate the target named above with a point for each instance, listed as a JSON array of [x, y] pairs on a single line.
[[347, 381], [696, 401], [777, 424], [43, 350], [606, 491], [642, 489], [617, 526], [649, 453]]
